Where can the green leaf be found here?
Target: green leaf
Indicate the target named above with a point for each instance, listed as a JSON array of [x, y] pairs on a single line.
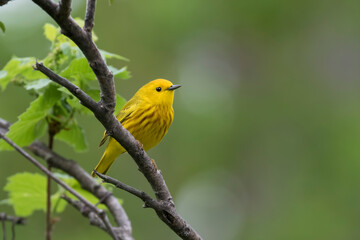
[[2, 26], [38, 84], [50, 31], [80, 70], [108, 55], [75, 103], [120, 73], [24, 131], [19, 70], [26, 193], [74, 136]]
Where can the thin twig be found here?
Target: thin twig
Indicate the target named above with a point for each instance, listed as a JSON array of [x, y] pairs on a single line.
[[89, 16], [149, 201], [99, 212]]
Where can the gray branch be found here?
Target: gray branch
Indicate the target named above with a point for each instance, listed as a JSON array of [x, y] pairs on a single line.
[[164, 209], [64, 8], [75, 90], [89, 16]]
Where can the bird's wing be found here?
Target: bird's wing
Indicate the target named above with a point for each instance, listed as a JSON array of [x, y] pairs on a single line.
[[122, 116]]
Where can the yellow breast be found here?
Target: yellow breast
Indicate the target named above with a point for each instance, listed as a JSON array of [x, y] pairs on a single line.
[[150, 123]]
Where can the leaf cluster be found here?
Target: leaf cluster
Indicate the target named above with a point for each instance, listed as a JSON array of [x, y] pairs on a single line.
[[54, 107]]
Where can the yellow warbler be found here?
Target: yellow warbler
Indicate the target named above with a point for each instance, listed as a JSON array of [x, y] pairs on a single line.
[[147, 116]]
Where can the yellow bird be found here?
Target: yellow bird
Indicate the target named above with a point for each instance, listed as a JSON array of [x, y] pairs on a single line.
[[147, 116]]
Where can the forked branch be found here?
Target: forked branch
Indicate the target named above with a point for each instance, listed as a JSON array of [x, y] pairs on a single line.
[[164, 209]]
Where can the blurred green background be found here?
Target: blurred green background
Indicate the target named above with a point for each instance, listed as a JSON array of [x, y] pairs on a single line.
[[265, 141]]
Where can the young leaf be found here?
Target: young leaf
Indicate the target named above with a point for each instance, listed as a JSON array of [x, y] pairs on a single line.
[[38, 84], [19, 70], [50, 31], [80, 70], [74, 136], [23, 132], [26, 193], [120, 73], [108, 55]]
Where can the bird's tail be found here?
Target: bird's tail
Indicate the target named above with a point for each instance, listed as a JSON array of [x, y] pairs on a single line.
[[105, 162]]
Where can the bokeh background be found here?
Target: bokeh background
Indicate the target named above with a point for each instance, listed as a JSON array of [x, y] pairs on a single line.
[[266, 138]]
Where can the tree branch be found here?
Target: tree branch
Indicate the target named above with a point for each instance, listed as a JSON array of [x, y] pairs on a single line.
[[89, 16], [164, 209], [149, 201], [99, 212], [64, 9], [75, 90]]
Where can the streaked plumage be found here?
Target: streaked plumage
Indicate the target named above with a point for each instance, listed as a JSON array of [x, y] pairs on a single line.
[[147, 116]]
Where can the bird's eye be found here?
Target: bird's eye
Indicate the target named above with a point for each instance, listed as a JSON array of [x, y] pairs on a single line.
[[158, 89]]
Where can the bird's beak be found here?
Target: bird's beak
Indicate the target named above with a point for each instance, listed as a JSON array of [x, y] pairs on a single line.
[[173, 87]]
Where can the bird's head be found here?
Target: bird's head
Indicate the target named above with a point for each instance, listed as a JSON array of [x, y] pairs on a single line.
[[158, 92]]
